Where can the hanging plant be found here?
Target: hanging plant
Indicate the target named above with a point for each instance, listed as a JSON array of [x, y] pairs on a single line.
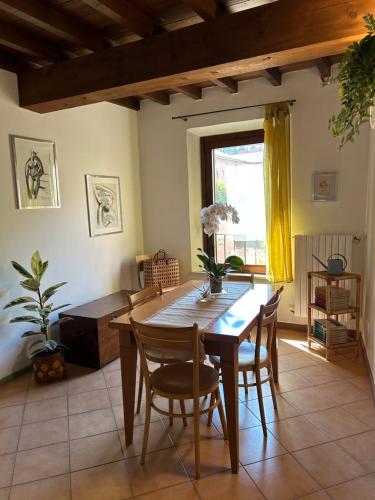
[[356, 78]]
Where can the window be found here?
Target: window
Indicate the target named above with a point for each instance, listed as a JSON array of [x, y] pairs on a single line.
[[232, 172]]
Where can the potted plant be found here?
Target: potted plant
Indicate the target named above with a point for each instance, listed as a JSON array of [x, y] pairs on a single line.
[[356, 78], [210, 217], [47, 355]]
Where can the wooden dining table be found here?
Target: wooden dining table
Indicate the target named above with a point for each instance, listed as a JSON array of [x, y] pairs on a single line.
[[222, 337]]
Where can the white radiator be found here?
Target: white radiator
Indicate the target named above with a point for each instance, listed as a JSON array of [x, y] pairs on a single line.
[[321, 245]]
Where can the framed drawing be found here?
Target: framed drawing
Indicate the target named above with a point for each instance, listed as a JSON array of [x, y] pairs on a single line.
[[103, 204], [35, 172], [324, 186]]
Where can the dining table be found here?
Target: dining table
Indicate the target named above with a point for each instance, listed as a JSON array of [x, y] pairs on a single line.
[[222, 336]]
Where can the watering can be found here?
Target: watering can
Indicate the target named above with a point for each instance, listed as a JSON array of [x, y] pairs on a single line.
[[335, 266]]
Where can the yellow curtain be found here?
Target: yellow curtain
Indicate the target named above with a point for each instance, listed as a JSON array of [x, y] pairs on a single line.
[[277, 191]]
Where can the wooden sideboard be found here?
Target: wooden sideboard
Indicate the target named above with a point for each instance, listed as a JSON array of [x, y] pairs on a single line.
[[88, 337]]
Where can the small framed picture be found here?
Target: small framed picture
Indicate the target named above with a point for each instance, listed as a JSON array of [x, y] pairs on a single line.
[[324, 186], [35, 172], [103, 204]]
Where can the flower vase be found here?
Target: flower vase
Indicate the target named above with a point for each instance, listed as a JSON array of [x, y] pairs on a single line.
[[216, 285]]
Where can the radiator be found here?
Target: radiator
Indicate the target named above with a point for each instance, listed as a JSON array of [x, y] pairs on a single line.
[[321, 245]]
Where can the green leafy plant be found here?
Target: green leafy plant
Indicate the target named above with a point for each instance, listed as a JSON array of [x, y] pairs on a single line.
[[38, 305], [218, 271], [356, 78]]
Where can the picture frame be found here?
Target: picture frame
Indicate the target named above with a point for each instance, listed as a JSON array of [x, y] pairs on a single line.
[[324, 186], [104, 208], [35, 172]]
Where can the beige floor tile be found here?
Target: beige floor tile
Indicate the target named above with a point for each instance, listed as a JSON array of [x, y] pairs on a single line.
[[329, 464], [215, 456], [158, 440], [286, 347], [362, 382], [162, 469], [297, 360], [9, 440], [114, 365], [139, 418], [284, 409], [115, 395], [95, 450], [47, 409], [252, 392], [38, 392], [184, 491], [318, 495], [87, 382], [54, 488], [362, 448], [363, 410], [282, 478], [254, 446], [106, 482], [296, 433], [289, 381], [6, 469], [343, 392], [43, 433], [41, 463], [4, 493], [91, 423], [11, 416], [14, 392], [362, 488], [317, 374], [336, 422], [226, 485], [245, 416], [88, 401], [309, 399], [181, 435], [113, 378]]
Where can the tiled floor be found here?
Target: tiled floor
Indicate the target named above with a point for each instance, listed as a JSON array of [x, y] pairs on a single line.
[[66, 441]]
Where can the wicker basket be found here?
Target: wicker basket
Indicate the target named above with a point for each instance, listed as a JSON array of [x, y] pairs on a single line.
[[49, 368], [161, 269]]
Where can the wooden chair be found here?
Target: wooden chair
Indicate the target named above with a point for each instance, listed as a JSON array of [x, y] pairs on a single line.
[[253, 356], [154, 355], [181, 381], [139, 260]]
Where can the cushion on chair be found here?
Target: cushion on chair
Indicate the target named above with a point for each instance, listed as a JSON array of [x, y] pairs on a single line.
[[246, 356], [167, 355], [178, 378]]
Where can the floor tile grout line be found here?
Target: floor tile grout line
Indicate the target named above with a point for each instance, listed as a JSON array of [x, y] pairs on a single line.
[[18, 442], [69, 459]]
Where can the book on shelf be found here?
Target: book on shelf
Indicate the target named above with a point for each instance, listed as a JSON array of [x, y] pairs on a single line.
[[338, 333], [339, 297]]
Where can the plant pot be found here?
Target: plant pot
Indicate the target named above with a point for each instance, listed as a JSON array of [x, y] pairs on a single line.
[[216, 285], [49, 368]]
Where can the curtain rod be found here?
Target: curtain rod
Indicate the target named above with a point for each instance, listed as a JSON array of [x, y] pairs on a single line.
[[185, 117]]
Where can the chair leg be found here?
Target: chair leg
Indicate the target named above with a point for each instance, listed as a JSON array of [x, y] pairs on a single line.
[[244, 375], [146, 429], [211, 412], [140, 388], [272, 385], [197, 439], [182, 406], [221, 414], [260, 401], [170, 411]]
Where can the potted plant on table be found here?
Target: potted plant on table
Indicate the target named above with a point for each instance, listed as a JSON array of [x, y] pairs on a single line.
[[47, 355], [211, 217]]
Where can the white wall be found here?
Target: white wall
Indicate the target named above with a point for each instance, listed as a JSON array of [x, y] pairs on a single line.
[[96, 139], [165, 172]]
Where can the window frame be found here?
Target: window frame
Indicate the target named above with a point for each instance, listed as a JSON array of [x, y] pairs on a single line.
[[207, 144]]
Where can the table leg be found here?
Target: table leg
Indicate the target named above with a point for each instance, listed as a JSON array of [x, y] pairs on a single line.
[[274, 356], [229, 371], [128, 355]]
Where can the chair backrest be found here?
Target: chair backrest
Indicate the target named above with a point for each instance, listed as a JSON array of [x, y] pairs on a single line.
[[144, 295], [267, 318], [139, 260], [163, 338]]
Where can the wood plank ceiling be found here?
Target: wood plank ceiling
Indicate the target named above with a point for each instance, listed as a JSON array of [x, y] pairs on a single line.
[[45, 34]]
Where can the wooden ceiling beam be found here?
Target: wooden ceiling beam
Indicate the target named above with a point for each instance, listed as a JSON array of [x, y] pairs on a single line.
[[128, 102], [12, 63], [206, 9], [274, 76], [159, 97], [23, 42], [192, 91], [324, 66], [227, 83], [269, 36], [52, 20], [126, 14]]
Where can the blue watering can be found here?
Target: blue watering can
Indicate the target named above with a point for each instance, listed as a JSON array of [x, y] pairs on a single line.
[[334, 266]]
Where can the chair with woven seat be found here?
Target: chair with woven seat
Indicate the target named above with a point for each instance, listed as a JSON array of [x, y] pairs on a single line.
[[253, 356], [181, 381]]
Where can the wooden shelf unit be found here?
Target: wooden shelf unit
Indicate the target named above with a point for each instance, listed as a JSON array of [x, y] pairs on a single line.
[[334, 281]]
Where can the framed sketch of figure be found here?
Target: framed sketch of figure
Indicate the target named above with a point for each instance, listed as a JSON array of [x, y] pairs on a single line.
[[103, 204], [35, 172]]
